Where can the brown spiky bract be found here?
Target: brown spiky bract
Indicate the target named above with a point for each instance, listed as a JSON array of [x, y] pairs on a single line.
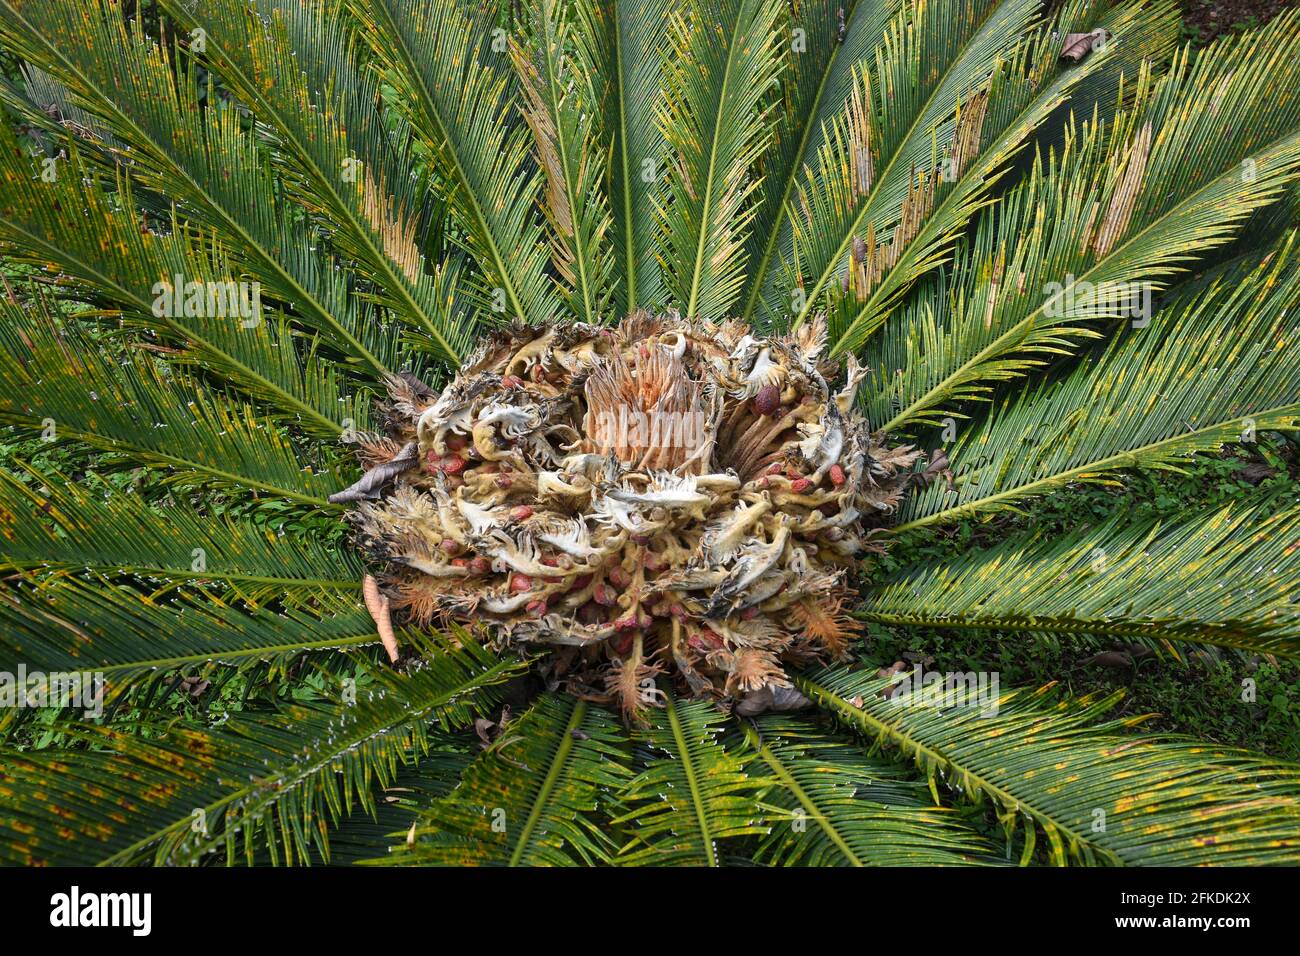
[[664, 497]]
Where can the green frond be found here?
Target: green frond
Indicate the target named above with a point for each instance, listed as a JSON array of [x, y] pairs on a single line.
[[66, 625], [902, 113], [271, 783], [835, 806], [316, 108], [557, 65], [1112, 219], [1096, 792], [450, 73], [60, 385], [1222, 576], [721, 64], [695, 793], [539, 796], [364, 835], [1205, 372], [201, 158], [53, 523], [120, 266], [819, 78], [635, 75]]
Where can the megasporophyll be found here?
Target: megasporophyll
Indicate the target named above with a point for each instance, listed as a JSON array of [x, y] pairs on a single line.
[[666, 496]]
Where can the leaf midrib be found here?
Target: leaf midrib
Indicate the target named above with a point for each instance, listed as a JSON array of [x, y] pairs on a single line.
[[806, 801], [899, 737], [267, 260], [1119, 459], [543, 798], [992, 349], [286, 780], [692, 781], [396, 282]]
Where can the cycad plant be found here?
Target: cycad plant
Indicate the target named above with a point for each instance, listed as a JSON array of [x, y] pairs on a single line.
[[321, 320]]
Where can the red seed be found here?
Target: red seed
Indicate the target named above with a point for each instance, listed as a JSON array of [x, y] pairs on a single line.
[[706, 640], [767, 400], [539, 373], [460, 562], [537, 608], [521, 513], [456, 442], [645, 621], [652, 561], [678, 612], [581, 582], [480, 565], [449, 546], [628, 623], [604, 594], [801, 485], [453, 464], [837, 476], [619, 577], [749, 613], [520, 582], [512, 381], [775, 468], [621, 644], [504, 481]]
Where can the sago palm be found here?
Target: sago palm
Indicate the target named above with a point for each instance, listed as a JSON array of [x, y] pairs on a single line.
[[333, 311]]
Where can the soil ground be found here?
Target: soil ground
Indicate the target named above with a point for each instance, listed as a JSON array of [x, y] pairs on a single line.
[[1203, 20]]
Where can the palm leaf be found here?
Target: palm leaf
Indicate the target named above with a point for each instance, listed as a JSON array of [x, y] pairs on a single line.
[[364, 835], [54, 523], [63, 387], [123, 634], [1096, 792], [335, 154], [461, 106], [820, 77], [1148, 400], [270, 782], [721, 64], [557, 66], [635, 79], [1221, 576], [835, 806], [201, 157], [535, 798], [934, 58], [1120, 212], [120, 266], [695, 792]]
